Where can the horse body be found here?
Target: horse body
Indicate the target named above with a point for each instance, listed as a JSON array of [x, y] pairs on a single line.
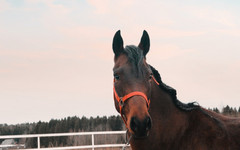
[[174, 125]]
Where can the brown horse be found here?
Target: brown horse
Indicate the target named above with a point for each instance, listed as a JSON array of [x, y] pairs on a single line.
[[154, 117]]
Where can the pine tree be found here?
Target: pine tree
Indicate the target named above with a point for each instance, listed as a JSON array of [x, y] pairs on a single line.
[[226, 110], [216, 110]]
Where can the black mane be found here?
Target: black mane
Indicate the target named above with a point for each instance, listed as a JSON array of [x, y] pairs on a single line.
[[173, 93]]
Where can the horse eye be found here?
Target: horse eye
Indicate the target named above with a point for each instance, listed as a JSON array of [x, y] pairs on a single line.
[[116, 77]]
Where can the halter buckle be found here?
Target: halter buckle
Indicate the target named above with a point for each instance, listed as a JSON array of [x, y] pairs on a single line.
[[121, 102]]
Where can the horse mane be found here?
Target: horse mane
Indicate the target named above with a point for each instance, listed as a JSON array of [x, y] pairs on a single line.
[[185, 107], [189, 106], [173, 93]]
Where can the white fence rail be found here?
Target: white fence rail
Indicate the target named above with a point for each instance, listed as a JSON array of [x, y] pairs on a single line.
[[38, 136]]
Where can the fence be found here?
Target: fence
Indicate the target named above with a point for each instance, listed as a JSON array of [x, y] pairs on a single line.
[[38, 136]]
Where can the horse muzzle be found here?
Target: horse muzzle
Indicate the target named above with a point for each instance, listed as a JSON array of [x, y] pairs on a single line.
[[140, 128]]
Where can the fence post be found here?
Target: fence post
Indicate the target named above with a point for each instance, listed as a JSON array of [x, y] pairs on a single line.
[[38, 141], [92, 141]]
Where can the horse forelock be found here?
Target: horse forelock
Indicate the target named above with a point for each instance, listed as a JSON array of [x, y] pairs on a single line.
[[135, 56]]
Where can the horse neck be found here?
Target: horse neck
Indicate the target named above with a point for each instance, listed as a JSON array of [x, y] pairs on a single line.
[[168, 120]]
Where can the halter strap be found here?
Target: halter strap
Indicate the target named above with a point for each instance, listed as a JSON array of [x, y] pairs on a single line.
[[121, 100]]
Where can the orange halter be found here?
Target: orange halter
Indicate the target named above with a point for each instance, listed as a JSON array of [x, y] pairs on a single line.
[[121, 100]]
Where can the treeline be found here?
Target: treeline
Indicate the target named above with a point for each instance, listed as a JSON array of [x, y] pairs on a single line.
[[69, 124], [228, 111]]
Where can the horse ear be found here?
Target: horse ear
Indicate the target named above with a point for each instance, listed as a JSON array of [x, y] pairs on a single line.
[[144, 43], [117, 44]]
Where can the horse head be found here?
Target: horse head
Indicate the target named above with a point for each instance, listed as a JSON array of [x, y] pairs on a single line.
[[132, 84]]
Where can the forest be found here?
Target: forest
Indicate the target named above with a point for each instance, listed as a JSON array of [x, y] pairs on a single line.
[[76, 124]]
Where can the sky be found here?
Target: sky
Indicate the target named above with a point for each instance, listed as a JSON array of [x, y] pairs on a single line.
[[56, 56]]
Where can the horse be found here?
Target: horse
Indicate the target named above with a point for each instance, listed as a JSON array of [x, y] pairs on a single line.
[[154, 117]]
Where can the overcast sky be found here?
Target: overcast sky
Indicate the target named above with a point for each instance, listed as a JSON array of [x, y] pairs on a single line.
[[56, 58]]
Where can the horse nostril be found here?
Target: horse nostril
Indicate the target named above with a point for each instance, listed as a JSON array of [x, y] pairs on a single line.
[[148, 123], [134, 124]]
